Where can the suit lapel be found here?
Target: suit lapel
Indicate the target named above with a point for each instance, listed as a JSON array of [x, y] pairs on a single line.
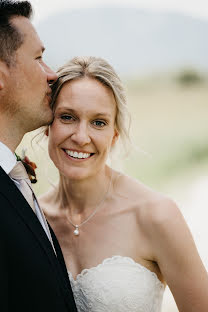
[[22, 208], [63, 272]]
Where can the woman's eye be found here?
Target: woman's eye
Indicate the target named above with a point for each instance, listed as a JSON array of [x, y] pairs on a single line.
[[99, 123], [67, 118]]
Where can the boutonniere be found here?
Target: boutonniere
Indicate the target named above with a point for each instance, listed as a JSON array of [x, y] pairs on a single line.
[[29, 166]]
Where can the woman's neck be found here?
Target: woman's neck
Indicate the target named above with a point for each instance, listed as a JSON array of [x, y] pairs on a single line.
[[81, 197]]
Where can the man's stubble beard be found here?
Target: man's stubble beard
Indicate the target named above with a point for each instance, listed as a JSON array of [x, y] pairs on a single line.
[[28, 118], [38, 119]]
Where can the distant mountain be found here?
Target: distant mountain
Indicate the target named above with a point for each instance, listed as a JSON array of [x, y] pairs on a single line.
[[133, 41]]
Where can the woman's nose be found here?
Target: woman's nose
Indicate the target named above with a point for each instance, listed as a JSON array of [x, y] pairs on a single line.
[[80, 135]]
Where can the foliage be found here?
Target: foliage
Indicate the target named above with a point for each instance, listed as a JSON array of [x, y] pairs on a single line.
[[188, 77]]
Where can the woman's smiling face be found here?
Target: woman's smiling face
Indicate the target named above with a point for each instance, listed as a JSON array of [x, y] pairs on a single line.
[[83, 130]]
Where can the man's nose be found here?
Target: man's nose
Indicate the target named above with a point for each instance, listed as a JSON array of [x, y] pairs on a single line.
[[51, 75]]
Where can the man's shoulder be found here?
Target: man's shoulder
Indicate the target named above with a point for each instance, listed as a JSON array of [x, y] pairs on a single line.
[[10, 196], [3, 174], [5, 182]]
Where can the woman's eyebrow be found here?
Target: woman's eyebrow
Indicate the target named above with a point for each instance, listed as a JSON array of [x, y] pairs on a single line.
[[103, 114], [100, 114]]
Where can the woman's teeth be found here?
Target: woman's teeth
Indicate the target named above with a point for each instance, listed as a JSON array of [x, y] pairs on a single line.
[[77, 155]]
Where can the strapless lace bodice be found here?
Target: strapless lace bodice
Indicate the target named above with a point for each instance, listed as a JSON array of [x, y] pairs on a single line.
[[118, 284]]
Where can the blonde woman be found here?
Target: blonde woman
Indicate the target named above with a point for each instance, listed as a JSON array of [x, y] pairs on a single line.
[[121, 241]]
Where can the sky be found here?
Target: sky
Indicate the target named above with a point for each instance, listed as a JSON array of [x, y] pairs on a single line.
[[195, 8]]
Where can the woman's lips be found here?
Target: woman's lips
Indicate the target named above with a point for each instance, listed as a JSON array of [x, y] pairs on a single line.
[[78, 155]]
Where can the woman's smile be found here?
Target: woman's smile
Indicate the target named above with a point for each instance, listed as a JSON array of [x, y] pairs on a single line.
[[78, 155]]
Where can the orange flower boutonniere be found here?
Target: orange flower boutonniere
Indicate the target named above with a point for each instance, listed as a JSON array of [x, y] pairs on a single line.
[[29, 166]]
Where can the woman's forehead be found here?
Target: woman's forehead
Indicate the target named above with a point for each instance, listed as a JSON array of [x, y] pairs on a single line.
[[86, 93]]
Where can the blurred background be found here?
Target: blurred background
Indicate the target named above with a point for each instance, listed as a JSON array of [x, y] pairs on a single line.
[[159, 49]]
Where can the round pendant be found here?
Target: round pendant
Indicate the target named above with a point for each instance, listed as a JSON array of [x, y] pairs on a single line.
[[76, 231]]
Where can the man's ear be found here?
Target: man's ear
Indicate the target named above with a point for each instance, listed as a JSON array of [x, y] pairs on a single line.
[[1, 79], [4, 71], [1, 84]]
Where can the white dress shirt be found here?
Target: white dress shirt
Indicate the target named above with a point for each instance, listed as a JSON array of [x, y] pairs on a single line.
[[7, 162]]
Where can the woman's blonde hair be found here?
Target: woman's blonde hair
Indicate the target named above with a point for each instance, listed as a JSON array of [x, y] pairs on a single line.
[[96, 68]]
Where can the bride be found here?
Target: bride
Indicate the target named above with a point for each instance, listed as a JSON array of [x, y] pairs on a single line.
[[121, 241]]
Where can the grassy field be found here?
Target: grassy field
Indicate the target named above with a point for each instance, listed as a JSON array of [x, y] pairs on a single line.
[[169, 133], [170, 126]]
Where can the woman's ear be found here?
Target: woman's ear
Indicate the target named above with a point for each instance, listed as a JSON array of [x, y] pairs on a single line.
[[115, 137]]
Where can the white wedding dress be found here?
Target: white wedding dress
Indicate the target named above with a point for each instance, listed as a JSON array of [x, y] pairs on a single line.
[[118, 284]]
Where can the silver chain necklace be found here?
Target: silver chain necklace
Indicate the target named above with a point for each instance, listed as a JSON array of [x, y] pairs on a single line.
[[76, 226]]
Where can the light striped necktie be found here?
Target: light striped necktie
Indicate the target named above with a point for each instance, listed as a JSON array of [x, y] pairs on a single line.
[[19, 174]]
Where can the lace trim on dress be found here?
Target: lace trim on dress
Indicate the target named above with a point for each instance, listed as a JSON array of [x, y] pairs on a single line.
[[117, 260]]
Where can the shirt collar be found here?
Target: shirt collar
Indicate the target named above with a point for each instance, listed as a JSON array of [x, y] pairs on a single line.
[[7, 158]]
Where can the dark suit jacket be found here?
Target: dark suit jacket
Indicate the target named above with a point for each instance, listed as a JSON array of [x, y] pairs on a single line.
[[32, 278]]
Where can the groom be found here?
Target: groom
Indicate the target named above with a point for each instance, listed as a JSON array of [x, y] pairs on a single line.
[[33, 275]]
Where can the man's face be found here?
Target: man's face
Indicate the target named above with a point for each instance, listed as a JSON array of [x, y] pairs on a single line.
[[27, 83]]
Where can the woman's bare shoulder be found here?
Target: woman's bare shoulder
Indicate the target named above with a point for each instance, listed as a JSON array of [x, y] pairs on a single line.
[[152, 207], [133, 188]]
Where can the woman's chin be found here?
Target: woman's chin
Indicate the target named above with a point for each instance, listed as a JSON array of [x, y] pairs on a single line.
[[77, 174]]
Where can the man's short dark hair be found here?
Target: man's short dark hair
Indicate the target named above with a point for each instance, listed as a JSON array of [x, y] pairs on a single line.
[[10, 37]]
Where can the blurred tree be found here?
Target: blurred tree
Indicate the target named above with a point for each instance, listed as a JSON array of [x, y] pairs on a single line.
[[188, 77]]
